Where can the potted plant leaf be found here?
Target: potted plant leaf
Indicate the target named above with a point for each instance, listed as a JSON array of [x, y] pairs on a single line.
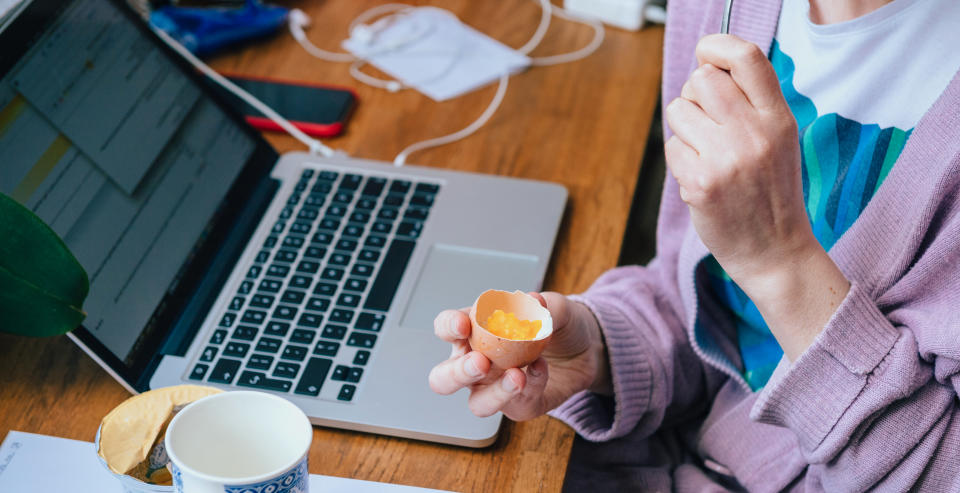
[[42, 285]]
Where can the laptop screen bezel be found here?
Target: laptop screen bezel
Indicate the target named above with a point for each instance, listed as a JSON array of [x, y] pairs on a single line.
[[16, 38]]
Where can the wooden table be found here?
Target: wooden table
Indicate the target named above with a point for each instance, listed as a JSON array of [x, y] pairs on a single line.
[[583, 124]]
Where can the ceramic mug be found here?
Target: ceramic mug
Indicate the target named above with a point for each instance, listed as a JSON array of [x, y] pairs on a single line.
[[239, 442]]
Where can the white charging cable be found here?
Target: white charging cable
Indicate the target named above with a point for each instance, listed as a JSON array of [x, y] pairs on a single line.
[[314, 145]]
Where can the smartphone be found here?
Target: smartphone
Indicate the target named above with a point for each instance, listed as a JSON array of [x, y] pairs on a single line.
[[317, 110]]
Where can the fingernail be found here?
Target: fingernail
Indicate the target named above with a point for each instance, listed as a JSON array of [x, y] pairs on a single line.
[[471, 368], [507, 384], [534, 372]]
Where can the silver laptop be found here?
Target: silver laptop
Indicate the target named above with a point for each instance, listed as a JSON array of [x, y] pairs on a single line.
[[213, 261]]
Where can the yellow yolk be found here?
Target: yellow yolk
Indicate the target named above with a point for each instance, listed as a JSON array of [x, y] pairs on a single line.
[[507, 325]]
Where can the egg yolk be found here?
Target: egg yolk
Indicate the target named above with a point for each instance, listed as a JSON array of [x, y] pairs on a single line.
[[507, 325]]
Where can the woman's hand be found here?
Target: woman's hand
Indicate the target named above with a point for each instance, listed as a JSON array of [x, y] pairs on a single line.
[[574, 360], [735, 153]]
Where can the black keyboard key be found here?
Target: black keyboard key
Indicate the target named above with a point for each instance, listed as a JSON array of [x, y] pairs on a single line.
[[422, 200], [366, 204], [285, 255], [348, 300], [253, 272], [416, 213], [354, 374], [270, 285], [313, 377], [263, 362], [308, 266], [325, 289], [275, 328], [301, 228], [284, 312], [326, 348], [301, 282], [342, 316], [340, 373], [354, 284], [237, 349], [259, 380], [255, 317], [314, 252], [339, 259], [370, 321], [262, 257], [261, 300], [360, 339], [277, 270], [301, 186], [382, 227], [346, 392], [307, 173], [315, 200], [427, 188], [330, 223], [362, 270], [374, 186], [286, 370], [332, 274], [308, 214], [388, 213], [292, 296], [218, 337], [346, 245], [328, 175], [410, 228], [318, 304], [399, 186], [337, 211], [268, 345], [322, 237], [361, 357], [351, 182], [295, 353], [344, 197], [286, 212], [322, 187], [228, 319], [393, 200], [245, 287], [208, 354], [375, 241], [354, 230], [385, 286], [302, 336], [225, 371], [278, 227], [270, 242], [368, 255], [199, 372], [310, 320], [245, 333], [293, 242], [334, 332], [360, 217], [236, 303]]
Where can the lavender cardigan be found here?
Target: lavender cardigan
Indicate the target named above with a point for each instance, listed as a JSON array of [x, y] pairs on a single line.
[[873, 403]]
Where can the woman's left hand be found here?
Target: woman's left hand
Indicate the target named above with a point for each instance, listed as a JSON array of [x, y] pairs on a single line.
[[735, 153]]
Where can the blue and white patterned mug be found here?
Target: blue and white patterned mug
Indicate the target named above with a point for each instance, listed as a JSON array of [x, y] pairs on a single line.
[[239, 442]]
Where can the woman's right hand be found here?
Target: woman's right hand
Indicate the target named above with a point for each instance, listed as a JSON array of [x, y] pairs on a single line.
[[574, 360]]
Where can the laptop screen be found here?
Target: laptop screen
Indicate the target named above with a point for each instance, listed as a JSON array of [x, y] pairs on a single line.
[[118, 149]]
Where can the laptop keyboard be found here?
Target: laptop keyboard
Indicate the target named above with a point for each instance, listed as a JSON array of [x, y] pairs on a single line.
[[307, 315]]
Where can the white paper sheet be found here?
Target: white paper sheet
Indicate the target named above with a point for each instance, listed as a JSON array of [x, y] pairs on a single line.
[[31, 463], [432, 51]]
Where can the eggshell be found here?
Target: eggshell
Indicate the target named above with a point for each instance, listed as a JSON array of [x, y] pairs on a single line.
[[508, 353]]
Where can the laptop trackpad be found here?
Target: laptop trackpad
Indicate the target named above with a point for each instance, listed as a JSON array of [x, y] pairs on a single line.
[[453, 276]]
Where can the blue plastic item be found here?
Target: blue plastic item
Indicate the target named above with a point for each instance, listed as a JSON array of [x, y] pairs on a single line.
[[207, 30]]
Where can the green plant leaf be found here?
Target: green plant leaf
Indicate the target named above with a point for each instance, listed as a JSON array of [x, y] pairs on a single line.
[[42, 286]]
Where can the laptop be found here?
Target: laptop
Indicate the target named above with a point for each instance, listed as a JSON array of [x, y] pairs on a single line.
[[215, 261]]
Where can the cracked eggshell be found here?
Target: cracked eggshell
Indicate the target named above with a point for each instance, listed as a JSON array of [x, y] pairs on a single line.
[[509, 353]]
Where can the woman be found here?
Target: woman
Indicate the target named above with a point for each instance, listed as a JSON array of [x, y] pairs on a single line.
[[797, 330]]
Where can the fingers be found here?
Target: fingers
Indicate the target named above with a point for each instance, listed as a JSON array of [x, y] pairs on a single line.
[[689, 123], [747, 64], [452, 325], [681, 160], [457, 373], [716, 93], [489, 399]]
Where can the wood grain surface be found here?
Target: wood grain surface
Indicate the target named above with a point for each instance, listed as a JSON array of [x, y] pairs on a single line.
[[582, 124]]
